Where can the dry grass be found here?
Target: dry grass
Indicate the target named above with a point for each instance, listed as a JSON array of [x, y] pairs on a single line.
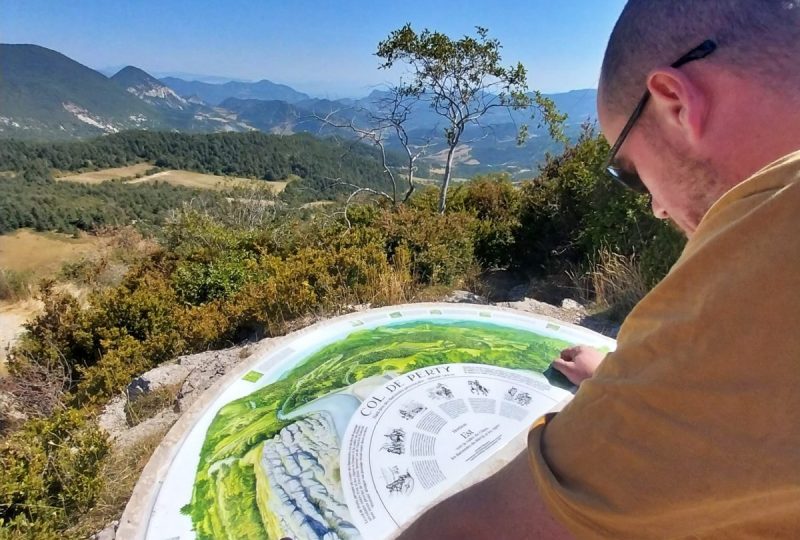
[[175, 177], [207, 181], [103, 175], [462, 154], [615, 284], [15, 285], [43, 254], [317, 204], [148, 405], [120, 472]]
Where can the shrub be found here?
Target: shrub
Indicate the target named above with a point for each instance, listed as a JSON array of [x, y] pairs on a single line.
[[440, 247], [56, 337], [495, 203], [50, 474], [198, 282], [572, 212]]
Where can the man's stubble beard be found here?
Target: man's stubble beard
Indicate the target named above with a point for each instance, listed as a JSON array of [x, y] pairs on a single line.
[[698, 182]]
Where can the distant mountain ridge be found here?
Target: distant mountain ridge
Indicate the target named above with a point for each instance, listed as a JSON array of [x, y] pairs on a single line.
[[149, 89], [215, 94], [46, 95]]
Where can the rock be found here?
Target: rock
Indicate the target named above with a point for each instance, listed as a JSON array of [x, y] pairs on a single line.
[[204, 369], [542, 308], [128, 437], [109, 533], [113, 420], [138, 387], [11, 410], [464, 297], [357, 308], [518, 293], [167, 374], [569, 303], [195, 373]]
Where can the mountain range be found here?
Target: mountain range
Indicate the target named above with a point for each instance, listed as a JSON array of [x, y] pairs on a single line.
[[215, 94], [46, 95]]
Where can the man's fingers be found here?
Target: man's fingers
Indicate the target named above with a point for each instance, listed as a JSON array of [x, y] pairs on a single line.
[[568, 369], [569, 354], [563, 366]]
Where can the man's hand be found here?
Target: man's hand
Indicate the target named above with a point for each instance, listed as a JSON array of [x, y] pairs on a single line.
[[578, 363]]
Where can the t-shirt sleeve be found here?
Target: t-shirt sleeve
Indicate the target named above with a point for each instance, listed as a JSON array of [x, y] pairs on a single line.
[[689, 428]]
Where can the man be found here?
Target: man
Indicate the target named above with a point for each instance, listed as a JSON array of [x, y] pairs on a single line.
[[691, 428]]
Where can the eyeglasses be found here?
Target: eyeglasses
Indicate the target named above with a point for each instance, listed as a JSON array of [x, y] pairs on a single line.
[[630, 179]]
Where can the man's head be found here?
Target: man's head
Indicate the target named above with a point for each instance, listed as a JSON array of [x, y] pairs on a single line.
[[710, 123]]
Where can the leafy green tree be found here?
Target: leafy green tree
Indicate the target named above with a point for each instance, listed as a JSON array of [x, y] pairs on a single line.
[[464, 80]]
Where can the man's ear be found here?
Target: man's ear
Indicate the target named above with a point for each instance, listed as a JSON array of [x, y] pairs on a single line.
[[678, 102]]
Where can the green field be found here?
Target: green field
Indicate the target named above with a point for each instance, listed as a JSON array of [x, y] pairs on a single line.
[[229, 495]]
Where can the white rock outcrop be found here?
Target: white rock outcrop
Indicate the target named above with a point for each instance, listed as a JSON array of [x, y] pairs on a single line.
[[302, 467]]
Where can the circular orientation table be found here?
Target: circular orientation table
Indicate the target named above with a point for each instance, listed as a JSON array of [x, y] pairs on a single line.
[[353, 426]]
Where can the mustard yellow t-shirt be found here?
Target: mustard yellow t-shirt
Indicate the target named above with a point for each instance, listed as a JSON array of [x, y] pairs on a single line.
[[691, 428]]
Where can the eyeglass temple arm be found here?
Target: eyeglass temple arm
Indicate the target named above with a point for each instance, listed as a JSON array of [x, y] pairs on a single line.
[[701, 51], [628, 126]]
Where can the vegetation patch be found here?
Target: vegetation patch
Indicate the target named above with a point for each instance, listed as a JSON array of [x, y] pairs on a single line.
[[315, 164], [104, 175], [145, 406], [42, 254], [120, 471], [15, 285], [208, 181]]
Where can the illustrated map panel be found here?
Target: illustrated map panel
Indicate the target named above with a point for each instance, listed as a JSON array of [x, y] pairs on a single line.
[[349, 430]]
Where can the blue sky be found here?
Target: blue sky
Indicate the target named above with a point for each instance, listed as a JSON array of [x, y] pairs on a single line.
[[321, 47]]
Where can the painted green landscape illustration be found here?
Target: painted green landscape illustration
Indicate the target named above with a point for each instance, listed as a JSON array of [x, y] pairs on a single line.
[[269, 465]]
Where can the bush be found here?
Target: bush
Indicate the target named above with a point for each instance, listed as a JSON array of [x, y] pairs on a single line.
[[214, 284], [50, 474], [440, 247], [495, 202], [572, 212]]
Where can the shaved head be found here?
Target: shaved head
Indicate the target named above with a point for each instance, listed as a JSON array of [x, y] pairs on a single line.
[[756, 38]]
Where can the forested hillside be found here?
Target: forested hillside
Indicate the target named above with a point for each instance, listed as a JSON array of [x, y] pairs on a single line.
[[33, 199], [319, 165], [46, 95]]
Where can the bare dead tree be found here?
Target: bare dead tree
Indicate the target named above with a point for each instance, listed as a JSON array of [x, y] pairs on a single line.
[[357, 191], [387, 119], [393, 112]]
